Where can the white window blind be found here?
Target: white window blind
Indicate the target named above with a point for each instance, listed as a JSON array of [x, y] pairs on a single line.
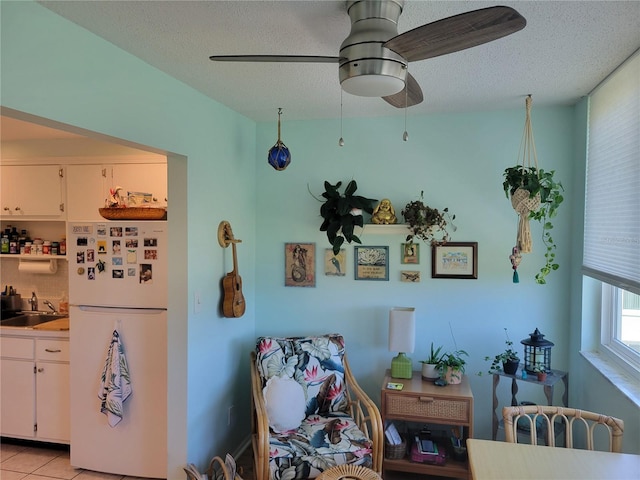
[[612, 204]]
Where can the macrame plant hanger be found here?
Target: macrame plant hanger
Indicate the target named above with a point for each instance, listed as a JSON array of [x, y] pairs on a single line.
[[521, 199]]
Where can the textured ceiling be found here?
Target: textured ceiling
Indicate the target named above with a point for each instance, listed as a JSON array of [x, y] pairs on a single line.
[[565, 50]]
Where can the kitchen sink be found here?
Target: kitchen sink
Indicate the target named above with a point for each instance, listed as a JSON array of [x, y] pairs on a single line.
[[31, 319]]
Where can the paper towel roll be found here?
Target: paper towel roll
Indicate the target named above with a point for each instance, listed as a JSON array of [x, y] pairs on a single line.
[[38, 266]]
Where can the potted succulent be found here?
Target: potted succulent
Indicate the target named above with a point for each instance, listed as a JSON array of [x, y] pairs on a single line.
[[540, 372], [536, 195], [452, 365], [427, 223], [506, 361], [341, 213], [430, 364]]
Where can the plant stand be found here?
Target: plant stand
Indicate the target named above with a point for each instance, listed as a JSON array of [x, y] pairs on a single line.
[[553, 377]]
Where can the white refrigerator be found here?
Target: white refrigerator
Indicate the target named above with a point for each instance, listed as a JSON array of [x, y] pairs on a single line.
[[118, 281]]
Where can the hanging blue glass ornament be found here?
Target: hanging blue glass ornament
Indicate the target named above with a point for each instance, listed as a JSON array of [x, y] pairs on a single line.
[[279, 156]]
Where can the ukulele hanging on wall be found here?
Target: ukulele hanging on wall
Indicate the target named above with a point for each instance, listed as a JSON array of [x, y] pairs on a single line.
[[233, 304]]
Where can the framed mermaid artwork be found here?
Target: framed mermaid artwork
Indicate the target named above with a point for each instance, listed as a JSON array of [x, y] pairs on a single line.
[[299, 264]]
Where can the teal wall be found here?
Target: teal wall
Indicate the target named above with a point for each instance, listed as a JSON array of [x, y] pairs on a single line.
[[54, 69], [217, 171], [457, 160]]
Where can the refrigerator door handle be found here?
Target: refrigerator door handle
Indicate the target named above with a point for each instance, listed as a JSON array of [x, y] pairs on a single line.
[[122, 311]]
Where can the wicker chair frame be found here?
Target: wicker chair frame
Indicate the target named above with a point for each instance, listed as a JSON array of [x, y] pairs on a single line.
[[569, 418], [361, 408]]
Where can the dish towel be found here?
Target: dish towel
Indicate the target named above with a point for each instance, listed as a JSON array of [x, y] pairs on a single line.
[[115, 383]]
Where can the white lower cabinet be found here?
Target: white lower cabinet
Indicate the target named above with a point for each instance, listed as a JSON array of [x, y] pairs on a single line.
[[34, 395]]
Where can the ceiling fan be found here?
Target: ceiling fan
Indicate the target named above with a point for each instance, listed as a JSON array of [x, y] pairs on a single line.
[[374, 59]]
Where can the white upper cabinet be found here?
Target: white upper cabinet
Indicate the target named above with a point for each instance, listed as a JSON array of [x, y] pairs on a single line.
[[32, 192], [88, 186]]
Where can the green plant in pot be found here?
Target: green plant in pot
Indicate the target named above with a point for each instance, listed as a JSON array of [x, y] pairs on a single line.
[[452, 366], [341, 213], [430, 364], [535, 195], [427, 223], [540, 371], [506, 361]]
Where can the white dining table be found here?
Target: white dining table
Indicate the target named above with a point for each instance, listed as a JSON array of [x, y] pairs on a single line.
[[492, 460]]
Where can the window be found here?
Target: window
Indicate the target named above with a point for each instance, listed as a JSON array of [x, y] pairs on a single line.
[[612, 203], [620, 334]]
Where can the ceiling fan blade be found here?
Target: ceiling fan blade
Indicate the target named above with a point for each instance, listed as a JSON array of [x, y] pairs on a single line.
[[274, 58], [457, 33], [411, 94]]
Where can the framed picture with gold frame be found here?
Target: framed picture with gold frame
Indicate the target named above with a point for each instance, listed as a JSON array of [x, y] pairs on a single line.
[[410, 253], [455, 260]]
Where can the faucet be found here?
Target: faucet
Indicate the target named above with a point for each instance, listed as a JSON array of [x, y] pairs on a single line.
[[50, 305], [34, 302]]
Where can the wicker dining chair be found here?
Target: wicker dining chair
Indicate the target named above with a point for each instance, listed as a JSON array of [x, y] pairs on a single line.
[[549, 421]]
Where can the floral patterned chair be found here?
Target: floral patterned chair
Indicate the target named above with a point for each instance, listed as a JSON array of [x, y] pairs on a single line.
[[308, 412]]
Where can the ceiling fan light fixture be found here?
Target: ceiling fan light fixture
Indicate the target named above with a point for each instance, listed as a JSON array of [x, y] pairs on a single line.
[[372, 85]]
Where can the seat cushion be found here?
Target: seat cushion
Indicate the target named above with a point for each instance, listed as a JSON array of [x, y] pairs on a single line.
[[321, 442], [315, 362]]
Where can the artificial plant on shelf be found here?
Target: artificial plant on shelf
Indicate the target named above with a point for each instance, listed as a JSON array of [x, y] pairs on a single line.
[[427, 223], [341, 213]]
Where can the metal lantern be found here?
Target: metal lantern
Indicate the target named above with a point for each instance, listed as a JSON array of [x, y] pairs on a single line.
[[279, 156], [537, 352]]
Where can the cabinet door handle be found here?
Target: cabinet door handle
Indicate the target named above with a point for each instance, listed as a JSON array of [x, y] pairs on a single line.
[[40, 370], [50, 350], [426, 399]]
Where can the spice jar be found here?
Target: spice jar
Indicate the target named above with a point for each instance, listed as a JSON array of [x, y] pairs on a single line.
[[46, 247]]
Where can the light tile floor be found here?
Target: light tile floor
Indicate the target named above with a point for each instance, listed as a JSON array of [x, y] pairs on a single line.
[[21, 461]]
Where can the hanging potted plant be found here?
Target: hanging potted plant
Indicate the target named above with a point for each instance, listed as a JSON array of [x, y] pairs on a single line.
[[506, 361], [427, 223], [430, 364], [536, 195], [341, 213]]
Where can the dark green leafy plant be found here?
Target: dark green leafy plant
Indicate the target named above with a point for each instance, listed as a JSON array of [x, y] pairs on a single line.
[[509, 355], [538, 182], [339, 218], [424, 222]]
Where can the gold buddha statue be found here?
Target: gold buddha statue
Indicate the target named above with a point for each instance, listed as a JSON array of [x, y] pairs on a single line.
[[384, 213]]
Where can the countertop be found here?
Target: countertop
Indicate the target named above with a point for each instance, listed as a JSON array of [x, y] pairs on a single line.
[[58, 328]]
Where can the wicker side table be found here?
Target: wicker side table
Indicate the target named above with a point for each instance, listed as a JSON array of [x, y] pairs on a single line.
[[349, 472]]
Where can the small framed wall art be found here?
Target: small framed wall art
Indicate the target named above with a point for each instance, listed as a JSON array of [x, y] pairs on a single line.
[[371, 263], [335, 265], [410, 253], [299, 264], [410, 276], [455, 260]]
